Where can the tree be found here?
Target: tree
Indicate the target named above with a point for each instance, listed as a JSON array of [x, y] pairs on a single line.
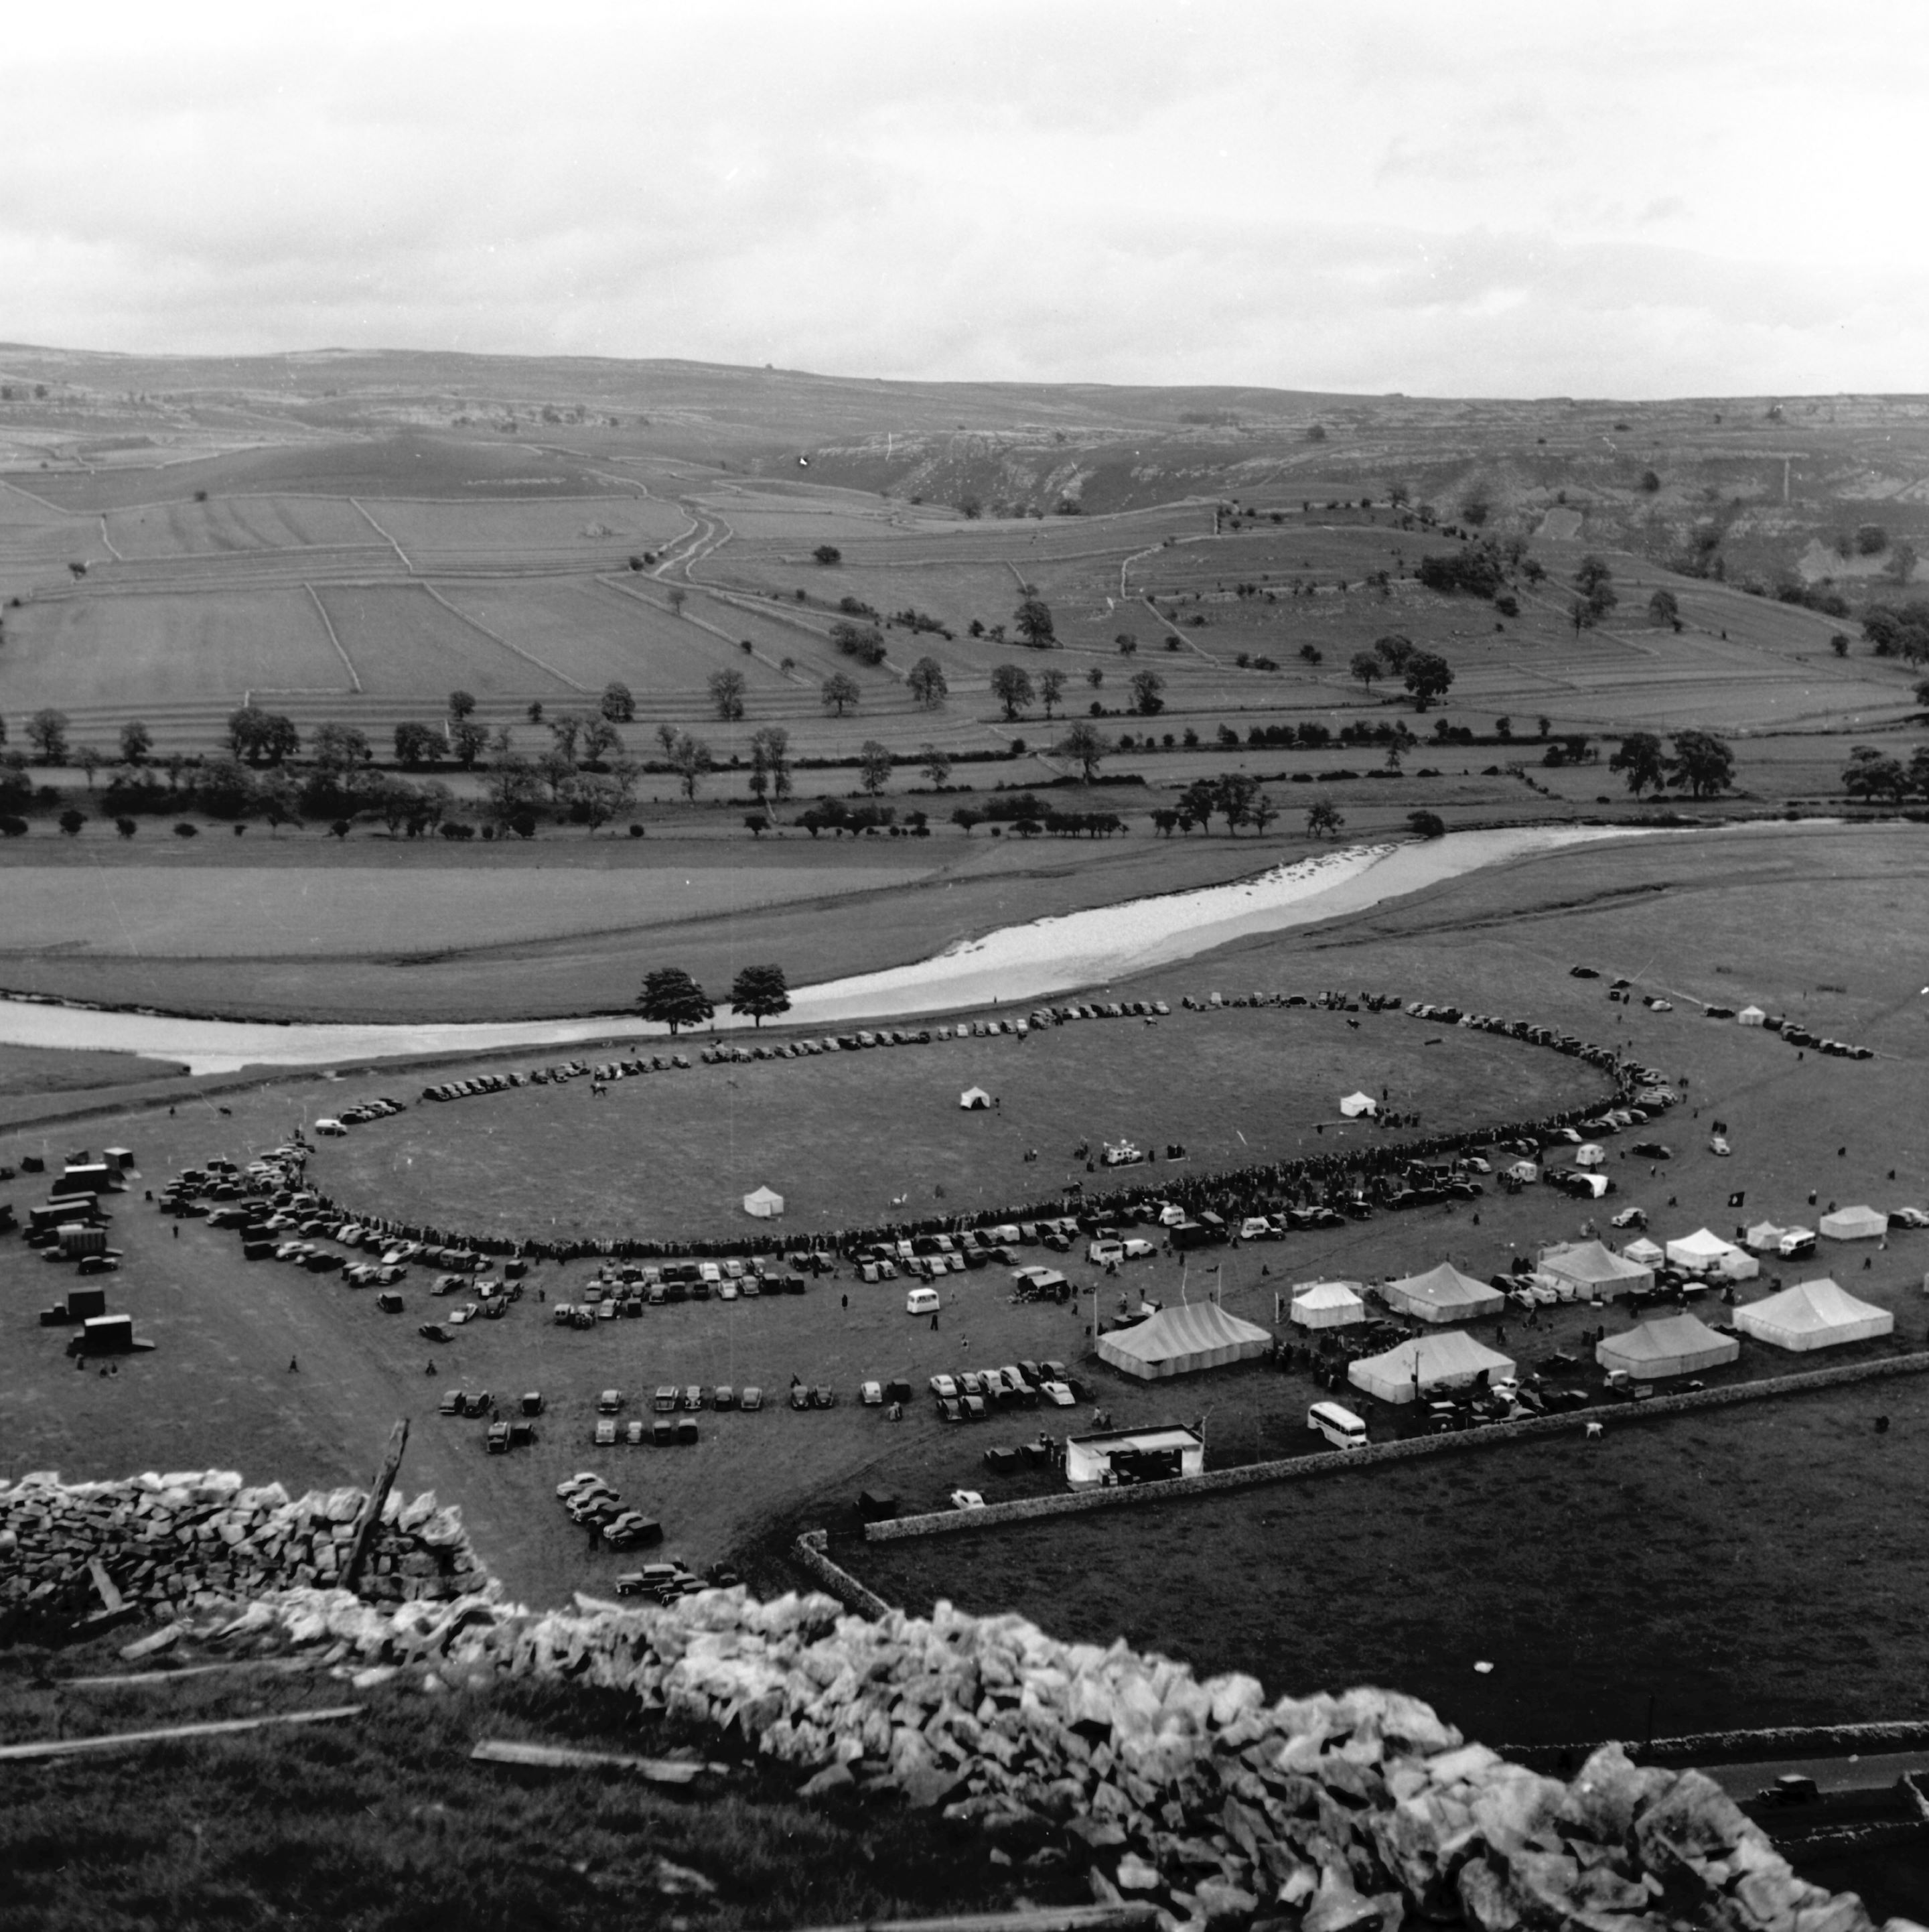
[[71, 821], [1197, 803], [1664, 607], [417, 743], [1702, 762], [594, 800], [1918, 769], [1147, 687], [555, 769], [873, 765], [339, 747], [1051, 689], [670, 997], [1012, 687], [461, 704], [1324, 821], [1033, 619], [840, 692], [828, 553], [126, 827], [1873, 774], [1088, 744], [511, 785], [689, 759], [1393, 650], [468, 740], [137, 741], [262, 737], [1263, 812], [772, 743], [727, 689], [1126, 643], [935, 764], [1871, 539], [47, 732], [1639, 757], [1366, 666], [1427, 824], [756, 823], [534, 713], [761, 992], [617, 704], [565, 728], [88, 757], [1428, 675], [926, 683], [1237, 791]]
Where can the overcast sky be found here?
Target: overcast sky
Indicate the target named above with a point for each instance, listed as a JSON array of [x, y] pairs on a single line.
[[1488, 198]]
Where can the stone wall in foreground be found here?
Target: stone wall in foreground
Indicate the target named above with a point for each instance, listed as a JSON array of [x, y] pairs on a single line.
[[167, 1539], [1359, 1813]]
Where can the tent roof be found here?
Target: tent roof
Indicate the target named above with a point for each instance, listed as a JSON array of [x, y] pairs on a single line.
[[765, 1194], [1666, 1338], [1703, 1242], [1444, 1287], [1643, 1252], [1454, 1352], [1326, 1294], [1194, 1335], [1862, 1220], [1812, 1307], [1592, 1262]]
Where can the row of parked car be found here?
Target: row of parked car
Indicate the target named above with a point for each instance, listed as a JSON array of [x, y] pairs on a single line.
[[971, 1396]]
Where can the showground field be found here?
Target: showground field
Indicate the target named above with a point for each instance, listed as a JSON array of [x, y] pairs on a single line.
[[1565, 1552]]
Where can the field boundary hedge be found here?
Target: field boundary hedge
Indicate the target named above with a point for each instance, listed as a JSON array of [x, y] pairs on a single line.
[[1293, 1469]]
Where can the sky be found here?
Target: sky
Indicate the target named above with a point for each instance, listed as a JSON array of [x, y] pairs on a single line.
[[1490, 198]]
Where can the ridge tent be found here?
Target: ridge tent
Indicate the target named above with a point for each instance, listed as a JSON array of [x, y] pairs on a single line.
[[1813, 1314], [1179, 1341], [764, 1203], [1764, 1238], [1749, 1016], [1643, 1253], [1327, 1304], [1443, 1293], [1854, 1224], [1704, 1252], [1355, 1105], [1592, 1269], [974, 1099], [1428, 1362], [1670, 1344]]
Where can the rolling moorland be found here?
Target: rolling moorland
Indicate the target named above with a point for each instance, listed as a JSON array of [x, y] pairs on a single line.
[[346, 540]]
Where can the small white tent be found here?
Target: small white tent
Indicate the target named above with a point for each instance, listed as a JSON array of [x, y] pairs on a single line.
[[1854, 1224], [1355, 1105], [1813, 1314], [764, 1203], [1671, 1345], [1177, 1341], [1643, 1252], [974, 1099], [1327, 1304], [1591, 1269], [1764, 1238], [1443, 1293], [1429, 1362], [1749, 1016], [1704, 1252]]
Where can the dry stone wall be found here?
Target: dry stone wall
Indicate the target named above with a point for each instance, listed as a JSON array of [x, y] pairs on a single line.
[[168, 1540]]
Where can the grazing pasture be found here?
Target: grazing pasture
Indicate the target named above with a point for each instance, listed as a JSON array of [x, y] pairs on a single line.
[[492, 535], [404, 643], [129, 651], [228, 523]]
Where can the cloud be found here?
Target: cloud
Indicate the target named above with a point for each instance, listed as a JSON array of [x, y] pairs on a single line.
[[1507, 201]]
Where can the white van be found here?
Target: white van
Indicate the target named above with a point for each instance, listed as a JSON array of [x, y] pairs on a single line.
[[921, 1301], [1340, 1426]]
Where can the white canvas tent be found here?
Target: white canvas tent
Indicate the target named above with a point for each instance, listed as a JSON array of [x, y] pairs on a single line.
[[1749, 1016], [1813, 1314], [1443, 1293], [1643, 1252], [1764, 1238], [1592, 1269], [1327, 1304], [1355, 1105], [1854, 1224], [1704, 1252], [1427, 1363], [1179, 1341], [764, 1203], [973, 1099], [1670, 1344]]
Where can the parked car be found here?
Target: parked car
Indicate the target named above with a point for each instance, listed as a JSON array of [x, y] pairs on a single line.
[[609, 1402], [966, 1499], [433, 1331], [945, 1387], [498, 1439], [871, 1394], [606, 1431], [752, 1398], [1138, 1249]]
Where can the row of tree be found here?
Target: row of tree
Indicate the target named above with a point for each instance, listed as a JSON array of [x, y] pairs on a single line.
[[670, 997]]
